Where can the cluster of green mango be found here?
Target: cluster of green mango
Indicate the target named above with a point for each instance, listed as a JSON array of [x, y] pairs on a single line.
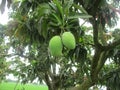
[[57, 42]]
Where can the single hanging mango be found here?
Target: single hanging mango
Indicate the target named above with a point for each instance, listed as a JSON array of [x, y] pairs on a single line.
[[68, 40], [55, 46]]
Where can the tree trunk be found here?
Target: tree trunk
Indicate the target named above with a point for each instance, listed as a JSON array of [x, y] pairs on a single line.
[[84, 86], [52, 84], [52, 87]]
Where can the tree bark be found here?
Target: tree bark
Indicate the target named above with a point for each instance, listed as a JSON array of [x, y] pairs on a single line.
[[84, 86]]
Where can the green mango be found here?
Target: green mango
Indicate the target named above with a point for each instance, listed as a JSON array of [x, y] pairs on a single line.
[[55, 46], [68, 40]]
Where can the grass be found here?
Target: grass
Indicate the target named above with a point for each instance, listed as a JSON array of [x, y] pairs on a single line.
[[11, 86]]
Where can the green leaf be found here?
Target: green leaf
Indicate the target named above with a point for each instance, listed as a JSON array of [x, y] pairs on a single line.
[[43, 9], [58, 20], [60, 8], [28, 24], [67, 6], [79, 7], [24, 7], [79, 15], [54, 24], [44, 28], [52, 5]]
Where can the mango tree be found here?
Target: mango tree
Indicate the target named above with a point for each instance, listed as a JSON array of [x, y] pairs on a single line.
[[34, 23]]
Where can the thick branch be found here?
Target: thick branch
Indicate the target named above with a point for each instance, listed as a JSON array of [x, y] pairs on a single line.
[[94, 7], [103, 58], [95, 63], [48, 82], [95, 31], [84, 86], [114, 9], [112, 45]]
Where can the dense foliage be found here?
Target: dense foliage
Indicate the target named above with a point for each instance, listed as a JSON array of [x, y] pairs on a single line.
[[3, 50]]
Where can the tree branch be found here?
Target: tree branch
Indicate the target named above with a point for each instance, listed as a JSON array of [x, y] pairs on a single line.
[[112, 45], [103, 58], [95, 31], [48, 82], [84, 86], [114, 9], [95, 63], [94, 7]]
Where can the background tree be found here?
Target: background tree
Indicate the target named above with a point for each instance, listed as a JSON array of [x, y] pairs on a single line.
[[3, 54], [34, 23]]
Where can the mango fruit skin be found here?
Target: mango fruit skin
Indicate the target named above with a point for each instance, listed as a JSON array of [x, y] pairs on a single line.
[[68, 40], [55, 46]]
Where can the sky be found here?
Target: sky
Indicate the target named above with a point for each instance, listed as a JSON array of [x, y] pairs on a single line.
[[4, 17]]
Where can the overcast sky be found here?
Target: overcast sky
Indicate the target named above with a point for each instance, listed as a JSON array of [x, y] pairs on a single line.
[[4, 17]]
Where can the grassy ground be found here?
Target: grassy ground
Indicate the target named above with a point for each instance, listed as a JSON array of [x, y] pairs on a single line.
[[11, 86]]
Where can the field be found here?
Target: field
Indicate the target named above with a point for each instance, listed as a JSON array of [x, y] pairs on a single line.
[[11, 86]]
